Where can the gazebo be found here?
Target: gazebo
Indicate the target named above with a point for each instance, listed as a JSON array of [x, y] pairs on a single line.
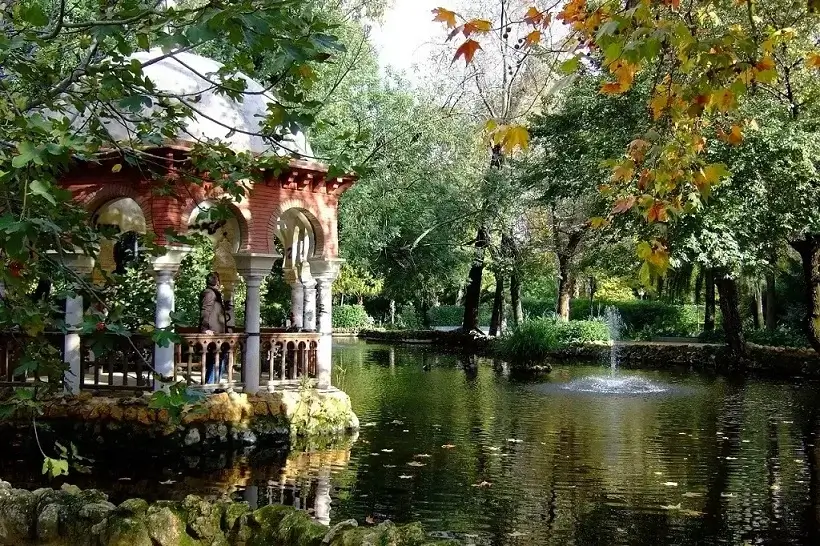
[[291, 215]]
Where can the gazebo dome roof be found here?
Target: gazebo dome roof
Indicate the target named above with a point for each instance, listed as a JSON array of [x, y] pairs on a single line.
[[194, 80]]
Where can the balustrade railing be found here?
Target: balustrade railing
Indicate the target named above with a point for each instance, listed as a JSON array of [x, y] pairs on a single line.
[[125, 363]]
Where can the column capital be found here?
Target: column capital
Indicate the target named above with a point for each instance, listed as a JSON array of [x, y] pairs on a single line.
[[76, 260], [254, 265], [325, 269], [168, 263]]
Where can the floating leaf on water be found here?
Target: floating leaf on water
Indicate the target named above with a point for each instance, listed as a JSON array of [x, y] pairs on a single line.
[[448, 446], [415, 463], [389, 466], [385, 450], [405, 430], [370, 424], [167, 482], [745, 441], [727, 495], [731, 458], [671, 507], [670, 484], [482, 484], [396, 422], [374, 454], [691, 513], [405, 477], [422, 455], [492, 448], [659, 473], [692, 494], [124, 479], [515, 441]]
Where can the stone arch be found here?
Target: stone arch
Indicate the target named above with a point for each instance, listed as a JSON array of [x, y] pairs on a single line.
[[310, 218], [241, 215], [109, 193]]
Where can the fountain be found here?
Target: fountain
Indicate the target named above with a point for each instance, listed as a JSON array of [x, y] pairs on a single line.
[[614, 383]]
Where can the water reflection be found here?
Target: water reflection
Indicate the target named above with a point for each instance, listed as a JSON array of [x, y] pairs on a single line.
[[491, 461]]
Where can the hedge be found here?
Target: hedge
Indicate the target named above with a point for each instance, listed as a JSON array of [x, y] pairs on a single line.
[[453, 315], [351, 317]]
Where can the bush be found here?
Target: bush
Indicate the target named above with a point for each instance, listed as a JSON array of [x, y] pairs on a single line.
[[643, 319], [351, 317], [783, 336], [535, 339]]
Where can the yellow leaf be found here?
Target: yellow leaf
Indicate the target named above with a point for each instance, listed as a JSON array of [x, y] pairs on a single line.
[[534, 16], [623, 171], [723, 100], [766, 63], [116, 168], [658, 105], [514, 136], [476, 25], [813, 60], [597, 222], [445, 16]]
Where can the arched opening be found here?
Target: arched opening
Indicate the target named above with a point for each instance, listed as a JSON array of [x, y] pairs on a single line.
[[122, 223], [297, 232]]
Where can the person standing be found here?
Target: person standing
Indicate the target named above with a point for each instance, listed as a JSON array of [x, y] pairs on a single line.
[[213, 320]]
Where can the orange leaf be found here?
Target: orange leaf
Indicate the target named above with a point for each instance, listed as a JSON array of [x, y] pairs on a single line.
[[637, 149], [533, 38], [674, 3], [657, 213], [574, 10], [813, 60], [445, 16], [536, 17], [612, 88], [766, 63], [467, 50], [476, 25], [624, 204], [644, 179]]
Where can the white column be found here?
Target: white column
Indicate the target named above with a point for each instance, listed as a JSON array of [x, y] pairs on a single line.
[[322, 500], [254, 268], [325, 272], [297, 297], [309, 302], [165, 267], [324, 305], [82, 266]]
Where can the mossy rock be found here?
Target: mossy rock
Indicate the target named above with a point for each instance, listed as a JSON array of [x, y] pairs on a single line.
[[124, 531], [203, 518]]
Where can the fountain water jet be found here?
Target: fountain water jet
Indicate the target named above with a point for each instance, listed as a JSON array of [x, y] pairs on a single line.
[[615, 383]]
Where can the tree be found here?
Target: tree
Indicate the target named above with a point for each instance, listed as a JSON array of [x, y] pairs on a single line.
[[579, 130]]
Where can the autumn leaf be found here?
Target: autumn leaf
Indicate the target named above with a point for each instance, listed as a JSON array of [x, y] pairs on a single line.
[[624, 204], [766, 63], [467, 50], [532, 38], [475, 26], [723, 100], [657, 213], [445, 16], [708, 176], [597, 222], [813, 60], [513, 137], [534, 16], [733, 137], [623, 172], [612, 88], [573, 11], [637, 149]]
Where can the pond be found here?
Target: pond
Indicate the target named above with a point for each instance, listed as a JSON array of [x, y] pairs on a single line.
[[475, 455]]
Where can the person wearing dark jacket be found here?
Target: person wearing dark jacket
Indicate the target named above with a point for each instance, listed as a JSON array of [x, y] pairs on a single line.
[[213, 320]]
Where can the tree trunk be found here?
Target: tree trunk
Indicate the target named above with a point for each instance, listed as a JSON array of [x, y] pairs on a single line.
[[565, 287], [730, 311], [771, 307], [472, 297], [758, 316], [709, 314], [515, 298], [699, 286], [809, 250], [497, 317]]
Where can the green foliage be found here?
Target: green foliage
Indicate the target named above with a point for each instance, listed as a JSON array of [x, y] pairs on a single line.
[[275, 294], [352, 317], [357, 283], [535, 339], [190, 281], [452, 315], [783, 336]]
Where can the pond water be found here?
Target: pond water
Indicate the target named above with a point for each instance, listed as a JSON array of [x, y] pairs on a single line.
[[488, 460]]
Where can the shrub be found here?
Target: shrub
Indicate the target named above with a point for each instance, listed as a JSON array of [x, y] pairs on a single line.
[[535, 339], [783, 336], [352, 317]]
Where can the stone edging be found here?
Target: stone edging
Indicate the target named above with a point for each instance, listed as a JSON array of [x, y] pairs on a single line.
[[73, 517]]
